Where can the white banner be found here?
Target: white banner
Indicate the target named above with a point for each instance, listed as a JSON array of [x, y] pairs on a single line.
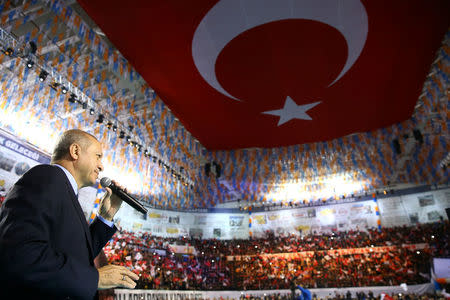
[[336, 252], [16, 157], [121, 294]]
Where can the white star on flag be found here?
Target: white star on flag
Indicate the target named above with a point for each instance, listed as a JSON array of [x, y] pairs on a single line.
[[292, 111]]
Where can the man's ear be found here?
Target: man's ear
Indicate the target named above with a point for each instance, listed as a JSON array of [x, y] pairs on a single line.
[[74, 151]]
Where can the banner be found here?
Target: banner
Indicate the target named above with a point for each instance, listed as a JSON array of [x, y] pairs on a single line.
[[16, 157], [123, 294], [351, 251], [186, 249]]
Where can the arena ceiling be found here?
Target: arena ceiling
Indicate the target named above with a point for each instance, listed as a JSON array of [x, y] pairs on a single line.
[[395, 75], [271, 73]]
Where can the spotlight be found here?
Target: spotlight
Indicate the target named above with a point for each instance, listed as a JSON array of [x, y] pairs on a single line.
[[128, 138], [33, 47], [29, 49], [64, 90], [43, 75], [100, 118], [130, 127], [54, 85], [9, 51], [109, 125], [84, 105], [72, 98], [91, 111], [146, 152], [114, 128], [30, 64], [121, 135]]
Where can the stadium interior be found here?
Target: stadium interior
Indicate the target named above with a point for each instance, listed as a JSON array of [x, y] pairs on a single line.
[[264, 163]]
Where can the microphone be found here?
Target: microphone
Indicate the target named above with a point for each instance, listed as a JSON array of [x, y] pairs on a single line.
[[106, 182]]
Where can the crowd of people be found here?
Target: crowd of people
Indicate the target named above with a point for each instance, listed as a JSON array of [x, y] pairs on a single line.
[[347, 296], [212, 268], [425, 233], [325, 271]]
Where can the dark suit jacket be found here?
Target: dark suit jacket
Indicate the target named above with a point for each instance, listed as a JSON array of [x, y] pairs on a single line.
[[47, 249]]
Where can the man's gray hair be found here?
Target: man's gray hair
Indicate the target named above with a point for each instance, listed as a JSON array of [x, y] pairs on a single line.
[[69, 137]]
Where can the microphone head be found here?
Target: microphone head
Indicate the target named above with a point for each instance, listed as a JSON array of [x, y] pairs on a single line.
[[105, 182]]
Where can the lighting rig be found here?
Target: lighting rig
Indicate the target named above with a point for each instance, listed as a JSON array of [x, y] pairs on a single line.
[[11, 47]]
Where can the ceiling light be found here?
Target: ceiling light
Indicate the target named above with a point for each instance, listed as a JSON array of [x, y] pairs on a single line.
[[72, 98], [100, 118], [43, 75], [9, 51], [30, 64], [54, 85]]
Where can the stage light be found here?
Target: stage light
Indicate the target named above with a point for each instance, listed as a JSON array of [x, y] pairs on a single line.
[[109, 125], [32, 47], [64, 90], [9, 51], [30, 64], [114, 128], [91, 111], [100, 118], [84, 105], [72, 98], [54, 85], [121, 135], [385, 192], [43, 75]]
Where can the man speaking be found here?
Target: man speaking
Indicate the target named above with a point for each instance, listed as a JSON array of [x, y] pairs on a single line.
[[47, 249]]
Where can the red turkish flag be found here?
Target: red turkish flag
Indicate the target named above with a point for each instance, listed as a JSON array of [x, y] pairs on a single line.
[[273, 73]]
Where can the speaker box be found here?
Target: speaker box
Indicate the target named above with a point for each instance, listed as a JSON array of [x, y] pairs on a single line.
[[418, 135], [396, 145]]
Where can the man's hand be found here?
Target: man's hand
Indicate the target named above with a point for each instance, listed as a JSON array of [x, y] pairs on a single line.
[[112, 276], [110, 204]]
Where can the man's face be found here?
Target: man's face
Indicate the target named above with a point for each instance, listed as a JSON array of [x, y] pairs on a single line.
[[89, 163]]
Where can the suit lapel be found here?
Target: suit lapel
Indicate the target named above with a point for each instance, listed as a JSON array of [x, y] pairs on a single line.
[[80, 214]]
